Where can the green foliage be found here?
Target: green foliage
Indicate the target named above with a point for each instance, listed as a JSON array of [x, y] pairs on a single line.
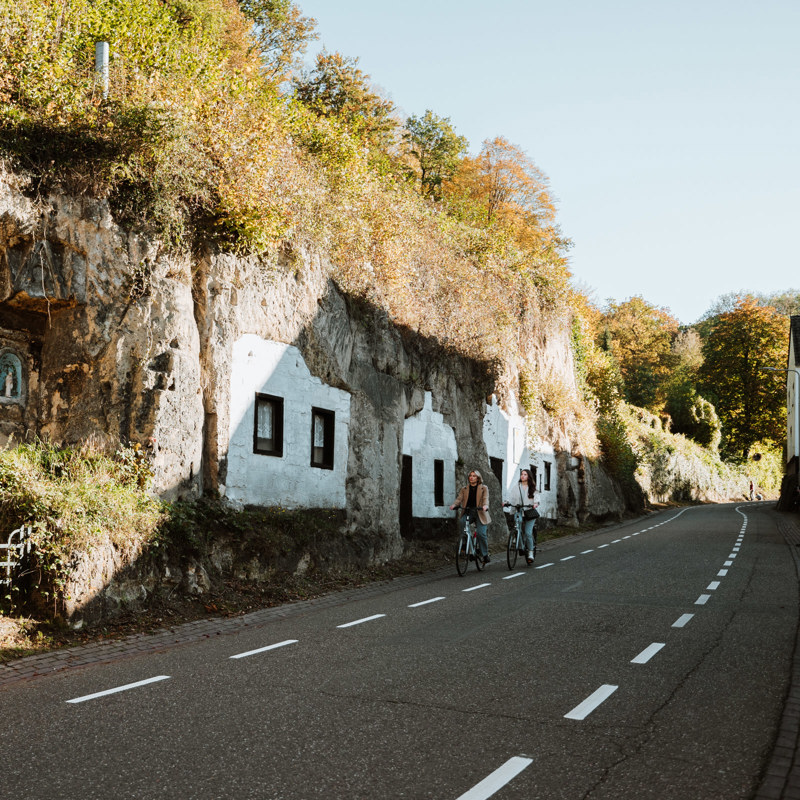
[[337, 88], [75, 499], [750, 401], [693, 416], [437, 149]]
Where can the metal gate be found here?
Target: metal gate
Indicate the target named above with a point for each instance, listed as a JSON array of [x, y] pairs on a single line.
[[14, 550]]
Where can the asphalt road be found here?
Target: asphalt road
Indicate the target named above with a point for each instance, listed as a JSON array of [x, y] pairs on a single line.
[[647, 661]]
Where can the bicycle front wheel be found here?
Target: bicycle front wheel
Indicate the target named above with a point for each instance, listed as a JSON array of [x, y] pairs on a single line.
[[511, 550], [462, 554]]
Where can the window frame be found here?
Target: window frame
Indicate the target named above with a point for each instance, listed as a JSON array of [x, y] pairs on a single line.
[[328, 436], [547, 472], [278, 411]]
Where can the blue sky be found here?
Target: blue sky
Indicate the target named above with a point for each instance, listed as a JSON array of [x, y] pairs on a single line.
[[670, 131]]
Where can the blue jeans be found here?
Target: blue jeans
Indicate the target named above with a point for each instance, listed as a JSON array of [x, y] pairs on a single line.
[[527, 532], [483, 539]]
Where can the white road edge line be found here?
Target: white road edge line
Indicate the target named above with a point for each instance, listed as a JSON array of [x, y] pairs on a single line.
[[648, 653], [425, 602], [682, 620], [359, 621], [498, 779], [118, 689], [264, 649], [479, 586], [591, 702]]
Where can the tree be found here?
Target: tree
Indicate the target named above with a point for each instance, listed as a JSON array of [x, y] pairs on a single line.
[[437, 148], [640, 336], [337, 88], [748, 399], [282, 34]]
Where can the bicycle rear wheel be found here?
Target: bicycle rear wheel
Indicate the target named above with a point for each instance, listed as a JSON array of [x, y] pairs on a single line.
[[479, 565], [511, 550], [462, 554]]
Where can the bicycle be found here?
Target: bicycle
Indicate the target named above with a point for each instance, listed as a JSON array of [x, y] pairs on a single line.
[[467, 546], [516, 538]]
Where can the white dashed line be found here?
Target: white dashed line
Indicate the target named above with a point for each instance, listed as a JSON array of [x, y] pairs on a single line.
[[682, 620], [712, 586], [425, 602], [479, 586], [118, 689], [616, 540], [264, 649], [359, 621], [592, 702], [602, 545], [584, 552], [542, 566], [648, 653], [497, 780], [702, 600], [568, 558], [515, 575], [722, 573], [728, 564]]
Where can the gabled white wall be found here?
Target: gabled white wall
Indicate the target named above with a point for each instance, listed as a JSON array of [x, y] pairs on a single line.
[[505, 437], [426, 437], [290, 481], [792, 399]]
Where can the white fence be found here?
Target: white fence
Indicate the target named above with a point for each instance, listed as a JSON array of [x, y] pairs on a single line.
[[14, 552]]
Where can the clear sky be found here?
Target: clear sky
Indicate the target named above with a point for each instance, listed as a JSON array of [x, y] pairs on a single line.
[[670, 131]]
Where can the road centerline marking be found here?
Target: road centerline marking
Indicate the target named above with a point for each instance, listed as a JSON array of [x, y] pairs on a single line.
[[479, 586], [585, 708], [722, 573], [542, 566], [682, 620], [648, 653], [702, 600], [567, 558], [712, 586], [117, 689], [584, 552], [515, 575], [264, 649], [425, 602], [492, 784], [359, 621]]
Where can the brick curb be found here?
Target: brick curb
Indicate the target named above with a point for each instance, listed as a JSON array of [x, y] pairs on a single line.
[[781, 780]]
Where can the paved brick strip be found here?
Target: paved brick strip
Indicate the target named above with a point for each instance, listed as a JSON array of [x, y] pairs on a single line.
[[781, 779]]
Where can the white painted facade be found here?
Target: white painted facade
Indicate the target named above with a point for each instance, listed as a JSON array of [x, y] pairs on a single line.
[[427, 438], [793, 394], [277, 369], [505, 436]]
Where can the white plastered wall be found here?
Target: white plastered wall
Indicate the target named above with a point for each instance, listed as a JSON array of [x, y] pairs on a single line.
[[290, 481], [427, 437], [505, 437]]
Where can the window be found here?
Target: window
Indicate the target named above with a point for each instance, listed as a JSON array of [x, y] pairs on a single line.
[[497, 467], [535, 476], [438, 482], [322, 426], [268, 428], [547, 476]]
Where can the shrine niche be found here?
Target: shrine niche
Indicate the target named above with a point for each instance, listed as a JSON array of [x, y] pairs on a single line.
[[12, 389]]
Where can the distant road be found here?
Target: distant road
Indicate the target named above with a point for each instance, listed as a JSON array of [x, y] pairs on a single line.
[[650, 660]]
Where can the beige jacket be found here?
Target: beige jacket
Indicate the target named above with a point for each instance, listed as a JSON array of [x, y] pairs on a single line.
[[482, 500]]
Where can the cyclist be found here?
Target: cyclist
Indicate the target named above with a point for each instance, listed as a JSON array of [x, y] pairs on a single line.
[[524, 493], [474, 499]]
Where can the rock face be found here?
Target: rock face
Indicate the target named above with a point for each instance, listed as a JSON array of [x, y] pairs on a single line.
[[115, 340]]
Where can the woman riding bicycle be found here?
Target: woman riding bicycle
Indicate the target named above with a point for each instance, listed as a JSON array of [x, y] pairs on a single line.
[[524, 493], [474, 500]]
